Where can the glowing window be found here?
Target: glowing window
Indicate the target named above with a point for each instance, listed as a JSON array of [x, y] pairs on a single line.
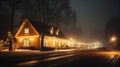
[[53, 43], [26, 30], [57, 32], [51, 30], [26, 43], [46, 43]]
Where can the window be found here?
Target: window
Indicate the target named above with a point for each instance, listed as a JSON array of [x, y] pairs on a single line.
[[57, 31], [46, 43], [53, 42], [51, 30], [26, 43], [26, 30]]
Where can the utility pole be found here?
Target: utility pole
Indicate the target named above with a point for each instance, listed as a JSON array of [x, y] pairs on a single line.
[[11, 26], [12, 15], [42, 20]]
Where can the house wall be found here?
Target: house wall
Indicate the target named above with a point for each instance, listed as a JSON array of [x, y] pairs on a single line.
[[55, 42], [49, 41], [33, 42]]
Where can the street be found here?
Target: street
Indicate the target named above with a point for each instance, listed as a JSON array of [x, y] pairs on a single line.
[[59, 58]]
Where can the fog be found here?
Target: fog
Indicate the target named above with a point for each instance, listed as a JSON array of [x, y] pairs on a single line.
[[92, 16]]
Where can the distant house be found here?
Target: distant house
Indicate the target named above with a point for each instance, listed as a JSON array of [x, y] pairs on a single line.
[[29, 35]]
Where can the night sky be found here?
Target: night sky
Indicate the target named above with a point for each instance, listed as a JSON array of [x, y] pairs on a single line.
[[92, 15]]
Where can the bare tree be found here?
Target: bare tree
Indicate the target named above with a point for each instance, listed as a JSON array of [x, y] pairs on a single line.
[[56, 12]]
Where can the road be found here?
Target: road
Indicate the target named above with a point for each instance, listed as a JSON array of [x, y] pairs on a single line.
[[59, 58]]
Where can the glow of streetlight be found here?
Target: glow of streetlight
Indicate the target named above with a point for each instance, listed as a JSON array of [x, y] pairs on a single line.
[[114, 38]]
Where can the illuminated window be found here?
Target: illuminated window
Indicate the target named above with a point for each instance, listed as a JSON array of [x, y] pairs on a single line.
[[59, 43], [51, 30], [57, 31], [26, 30], [53, 43], [26, 43], [46, 43]]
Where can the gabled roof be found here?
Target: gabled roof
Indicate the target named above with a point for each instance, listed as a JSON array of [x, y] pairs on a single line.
[[43, 28], [26, 23]]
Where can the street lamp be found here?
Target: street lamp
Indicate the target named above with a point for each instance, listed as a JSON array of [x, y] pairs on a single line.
[[113, 39]]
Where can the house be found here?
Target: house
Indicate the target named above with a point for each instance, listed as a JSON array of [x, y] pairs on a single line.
[[30, 33]]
